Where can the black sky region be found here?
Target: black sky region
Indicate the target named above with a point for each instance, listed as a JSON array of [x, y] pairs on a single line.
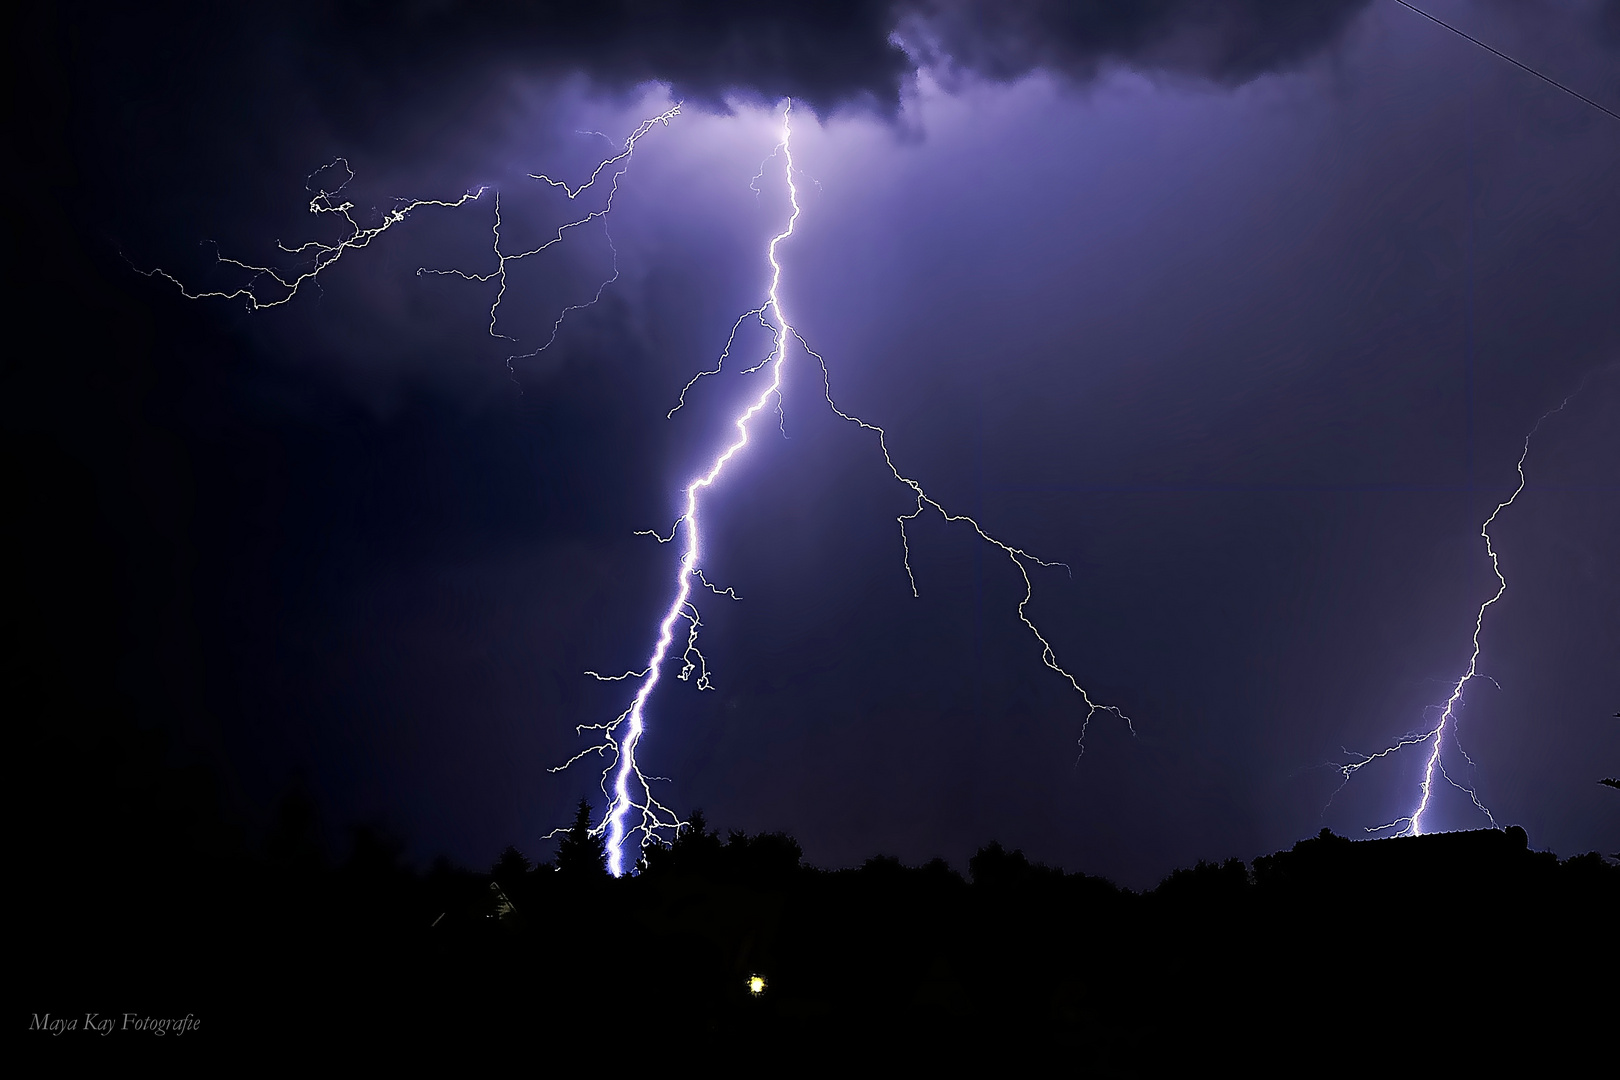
[[1243, 315]]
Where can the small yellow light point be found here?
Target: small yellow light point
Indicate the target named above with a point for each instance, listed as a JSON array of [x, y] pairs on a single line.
[[756, 984]]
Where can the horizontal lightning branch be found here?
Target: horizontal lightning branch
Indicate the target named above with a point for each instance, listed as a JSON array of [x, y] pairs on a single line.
[[271, 286]]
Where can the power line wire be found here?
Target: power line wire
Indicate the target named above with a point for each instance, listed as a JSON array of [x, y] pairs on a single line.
[[1509, 59]]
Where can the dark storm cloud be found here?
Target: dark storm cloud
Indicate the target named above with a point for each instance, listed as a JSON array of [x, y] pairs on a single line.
[[1226, 43], [335, 537], [826, 54]]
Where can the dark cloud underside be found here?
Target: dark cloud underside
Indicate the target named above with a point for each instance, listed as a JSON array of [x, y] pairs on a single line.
[[827, 54], [1225, 42]]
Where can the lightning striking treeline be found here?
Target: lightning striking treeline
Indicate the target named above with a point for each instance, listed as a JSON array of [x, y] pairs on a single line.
[[632, 810], [1411, 823], [628, 789]]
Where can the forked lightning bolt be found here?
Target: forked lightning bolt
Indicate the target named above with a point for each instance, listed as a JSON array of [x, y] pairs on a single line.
[[632, 810], [619, 164], [1020, 558], [1411, 823], [271, 286], [628, 790]]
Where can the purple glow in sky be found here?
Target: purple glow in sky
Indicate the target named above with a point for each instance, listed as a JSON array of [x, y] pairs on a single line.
[[1250, 340]]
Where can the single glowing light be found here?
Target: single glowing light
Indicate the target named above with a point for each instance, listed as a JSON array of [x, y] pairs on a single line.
[[756, 984]]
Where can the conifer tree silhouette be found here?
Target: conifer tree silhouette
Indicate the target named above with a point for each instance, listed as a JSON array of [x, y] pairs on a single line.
[[580, 854]]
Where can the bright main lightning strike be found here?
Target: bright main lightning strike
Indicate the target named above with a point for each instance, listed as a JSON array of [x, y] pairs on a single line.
[[1411, 824], [630, 791]]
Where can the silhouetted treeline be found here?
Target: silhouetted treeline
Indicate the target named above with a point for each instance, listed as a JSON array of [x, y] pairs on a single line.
[[147, 900]]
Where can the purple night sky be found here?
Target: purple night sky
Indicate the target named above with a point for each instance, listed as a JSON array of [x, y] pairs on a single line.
[[1252, 346]]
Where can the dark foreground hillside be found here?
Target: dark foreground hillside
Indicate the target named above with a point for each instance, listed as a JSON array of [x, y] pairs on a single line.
[[135, 892], [1323, 943]]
